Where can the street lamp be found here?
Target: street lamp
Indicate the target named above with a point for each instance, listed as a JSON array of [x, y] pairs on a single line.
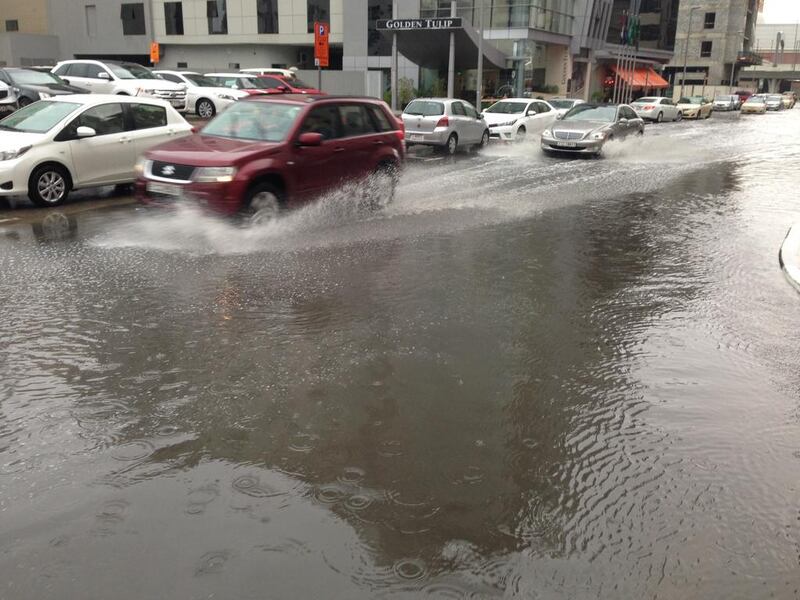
[[735, 58], [686, 49]]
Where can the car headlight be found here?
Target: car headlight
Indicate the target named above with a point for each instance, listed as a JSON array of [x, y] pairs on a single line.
[[226, 97], [140, 166], [214, 174], [146, 92], [12, 154], [598, 135], [547, 133], [44, 96], [507, 123]]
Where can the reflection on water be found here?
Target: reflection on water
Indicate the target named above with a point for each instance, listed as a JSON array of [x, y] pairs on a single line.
[[581, 388]]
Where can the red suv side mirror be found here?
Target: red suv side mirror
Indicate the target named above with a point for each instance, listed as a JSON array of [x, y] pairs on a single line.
[[309, 139], [283, 88]]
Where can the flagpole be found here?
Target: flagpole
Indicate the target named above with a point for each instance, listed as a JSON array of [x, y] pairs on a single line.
[[618, 81]]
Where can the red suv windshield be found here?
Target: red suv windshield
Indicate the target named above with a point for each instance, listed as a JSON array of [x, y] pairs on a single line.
[[261, 121]]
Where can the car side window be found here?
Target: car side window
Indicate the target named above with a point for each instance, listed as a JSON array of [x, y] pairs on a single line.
[[458, 109], [471, 112], [323, 120], [170, 77], [379, 117], [62, 70], [356, 121], [148, 116], [541, 107], [271, 83], [105, 119], [78, 70], [93, 71], [629, 114]]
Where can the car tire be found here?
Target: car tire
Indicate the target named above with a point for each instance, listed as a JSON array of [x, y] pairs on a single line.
[[484, 140], [452, 145], [660, 117], [263, 204], [205, 108], [24, 101], [521, 134], [49, 185], [679, 117], [380, 187]]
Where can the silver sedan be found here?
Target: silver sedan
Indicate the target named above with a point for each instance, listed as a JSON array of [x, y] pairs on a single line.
[[586, 128], [446, 123]]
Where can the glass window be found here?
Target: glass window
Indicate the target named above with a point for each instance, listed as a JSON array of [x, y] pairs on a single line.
[[12, 25], [470, 110], [132, 16], [26, 77], [458, 109], [705, 49], [541, 107], [173, 17], [710, 21], [61, 70], [131, 71], [200, 80], [93, 71], [267, 16], [318, 10], [381, 122], [507, 108], [356, 121], [269, 83], [217, 15], [105, 119], [147, 116], [377, 43], [78, 70], [590, 112], [170, 77], [324, 120], [261, 121], [38, 117], [424, 108]]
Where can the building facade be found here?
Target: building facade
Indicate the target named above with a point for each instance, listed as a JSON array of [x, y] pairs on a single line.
[[24, 29], [715, 40]]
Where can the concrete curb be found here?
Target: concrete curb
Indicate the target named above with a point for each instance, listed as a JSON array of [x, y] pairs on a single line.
[[789, 256]]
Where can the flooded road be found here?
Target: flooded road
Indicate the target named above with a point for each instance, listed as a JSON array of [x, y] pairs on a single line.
[[528, 378]]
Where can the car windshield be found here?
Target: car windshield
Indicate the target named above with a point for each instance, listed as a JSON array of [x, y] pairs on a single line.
[[245, 83], [587, 112], [261, 121], [131, 71], [755, 100], [724, 98], [647, 101], [775, 98], [297, 83], [425, 108], [26, 77], [507, 108], [561, 103], [200, 81], [38, 117]]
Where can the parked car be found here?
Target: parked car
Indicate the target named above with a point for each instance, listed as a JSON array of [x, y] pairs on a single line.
[[562, 105], [122, 78], [726, 102], [31, 86], [789, 99], [657, 108], [285, 85], [695, 107], [743, 96], [286, 73], [266, 153], [754, 105], [238, 81], [775, 102], [67, 142], [8, 99], [588, 127], [444, 123], [512, 119], [204, 97]]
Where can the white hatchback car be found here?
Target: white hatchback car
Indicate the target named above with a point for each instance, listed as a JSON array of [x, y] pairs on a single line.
[[511, 119], [125, 79], [203, 96], [657, 108], [53, 146]]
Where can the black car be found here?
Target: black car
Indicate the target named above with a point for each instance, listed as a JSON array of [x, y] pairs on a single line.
[[35, 85]]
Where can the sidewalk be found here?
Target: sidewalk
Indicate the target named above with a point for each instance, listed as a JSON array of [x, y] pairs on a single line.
[[790, 256]]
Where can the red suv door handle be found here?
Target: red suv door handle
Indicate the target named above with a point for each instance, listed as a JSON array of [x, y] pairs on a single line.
[[339, 150], [377, 143]]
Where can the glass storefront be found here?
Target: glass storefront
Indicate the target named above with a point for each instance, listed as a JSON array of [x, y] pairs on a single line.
[[555, 16]]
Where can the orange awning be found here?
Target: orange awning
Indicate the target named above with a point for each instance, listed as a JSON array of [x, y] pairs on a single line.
[[641, 78]]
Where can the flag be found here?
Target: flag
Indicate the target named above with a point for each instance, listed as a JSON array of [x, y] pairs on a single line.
[[633, 31], [623, 28]]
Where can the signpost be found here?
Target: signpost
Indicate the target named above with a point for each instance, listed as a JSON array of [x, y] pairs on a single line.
[[155, 53], [321, 49], [411, 24]]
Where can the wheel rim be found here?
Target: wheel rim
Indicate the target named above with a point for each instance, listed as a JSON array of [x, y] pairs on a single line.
[[264, 207], [452, 144], [205, 110], [485, 138], [51, 186], [660, 117], [679, 117]]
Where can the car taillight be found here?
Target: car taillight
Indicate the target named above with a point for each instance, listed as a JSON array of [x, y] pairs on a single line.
[[649, 107], [400, 132], [443, 122]]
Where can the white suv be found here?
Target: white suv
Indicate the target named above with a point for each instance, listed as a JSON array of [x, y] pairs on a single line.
[[127, 79], [203, 96], [8, 99]]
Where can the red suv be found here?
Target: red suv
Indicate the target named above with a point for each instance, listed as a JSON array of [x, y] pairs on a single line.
[[266, 153]]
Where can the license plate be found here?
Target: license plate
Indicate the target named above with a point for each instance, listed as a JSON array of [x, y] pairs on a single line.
[[417, 138], [568, 144], [165, 189]]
